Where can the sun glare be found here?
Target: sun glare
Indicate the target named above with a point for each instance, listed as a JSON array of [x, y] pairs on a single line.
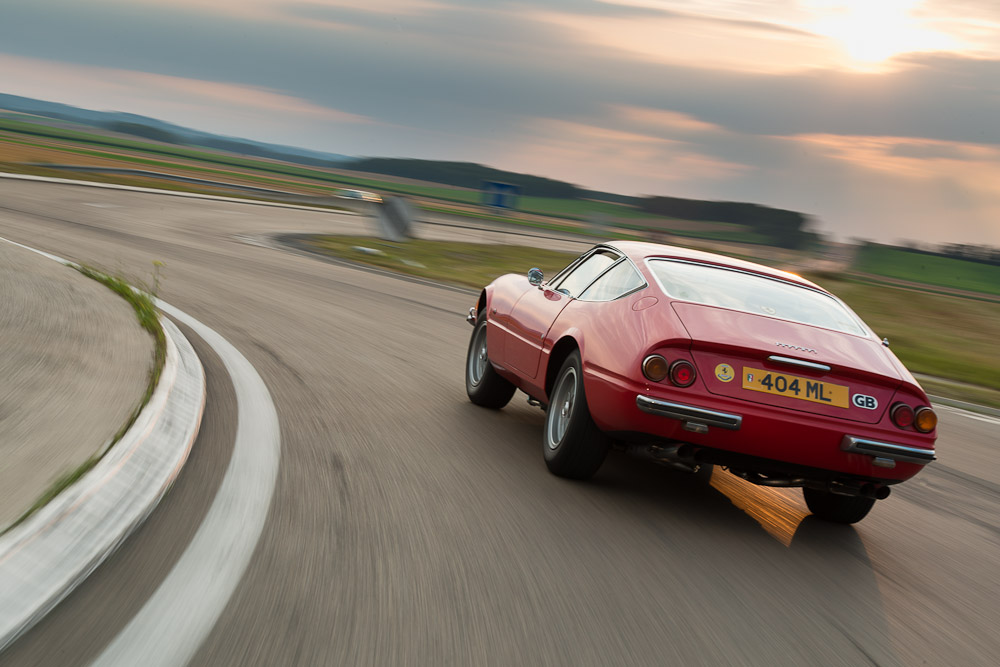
[[872, 31]]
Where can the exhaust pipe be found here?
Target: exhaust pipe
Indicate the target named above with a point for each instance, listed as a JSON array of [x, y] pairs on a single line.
[[663, 455], [876, 491], [762, 480]]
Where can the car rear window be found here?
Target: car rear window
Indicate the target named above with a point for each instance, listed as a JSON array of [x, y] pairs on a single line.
[[738, 290]]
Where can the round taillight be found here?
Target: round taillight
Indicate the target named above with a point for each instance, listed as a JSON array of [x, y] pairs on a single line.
[[902, 415], [682, 373], [925, 420], [655, 367]]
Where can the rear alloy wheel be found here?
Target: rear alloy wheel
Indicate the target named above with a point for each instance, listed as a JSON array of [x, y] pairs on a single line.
[[572, 444], [483, 384], [836, 508]]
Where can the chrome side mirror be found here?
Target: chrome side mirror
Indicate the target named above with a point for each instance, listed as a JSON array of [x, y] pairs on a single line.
[[535, 276]]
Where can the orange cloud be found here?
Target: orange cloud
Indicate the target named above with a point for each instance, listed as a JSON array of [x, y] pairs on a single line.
[[670, 121], [622, 160], [907, 157]]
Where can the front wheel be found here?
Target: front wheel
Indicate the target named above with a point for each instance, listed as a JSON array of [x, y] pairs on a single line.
[[483, 384], [836, 508], [572, 444]]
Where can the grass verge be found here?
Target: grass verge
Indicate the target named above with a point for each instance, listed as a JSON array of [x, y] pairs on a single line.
[[961, 391], [464, 264], [939, 335], [145, 311]]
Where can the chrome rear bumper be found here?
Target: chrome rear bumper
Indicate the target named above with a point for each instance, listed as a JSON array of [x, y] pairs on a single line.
[[689, 414], [887, 450]]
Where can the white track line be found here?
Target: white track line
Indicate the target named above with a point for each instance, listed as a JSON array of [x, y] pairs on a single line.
[[175, 621], [182, 612], [969, 415]]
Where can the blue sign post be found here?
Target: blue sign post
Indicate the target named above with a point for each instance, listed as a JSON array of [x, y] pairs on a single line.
[[500, 195]]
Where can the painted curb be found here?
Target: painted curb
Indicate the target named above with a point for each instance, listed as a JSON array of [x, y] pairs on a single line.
[[51, 553]]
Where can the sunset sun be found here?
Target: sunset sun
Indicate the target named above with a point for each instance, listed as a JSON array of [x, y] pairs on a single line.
[[872, 32]]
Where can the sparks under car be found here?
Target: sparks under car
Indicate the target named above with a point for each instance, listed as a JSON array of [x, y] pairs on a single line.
[[695, 359]]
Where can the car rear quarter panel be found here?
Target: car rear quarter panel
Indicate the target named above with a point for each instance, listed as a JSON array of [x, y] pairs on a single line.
[[614, 337]]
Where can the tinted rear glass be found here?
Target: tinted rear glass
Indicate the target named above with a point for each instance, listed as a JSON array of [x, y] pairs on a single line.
[[749, 293]]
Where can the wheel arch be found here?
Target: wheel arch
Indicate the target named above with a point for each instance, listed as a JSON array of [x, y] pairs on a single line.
[[562, 349], [483, 300]]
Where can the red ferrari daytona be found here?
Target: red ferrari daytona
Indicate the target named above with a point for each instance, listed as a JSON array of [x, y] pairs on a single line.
[[695, 359]]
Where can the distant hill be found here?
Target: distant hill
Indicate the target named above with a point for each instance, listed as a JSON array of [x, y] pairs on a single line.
[[466, 175], [785, 229], [158, 130]]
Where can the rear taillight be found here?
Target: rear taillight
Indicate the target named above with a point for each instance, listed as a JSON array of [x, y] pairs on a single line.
[[682, 373], [925, 420], [902, 415], [655, 368]]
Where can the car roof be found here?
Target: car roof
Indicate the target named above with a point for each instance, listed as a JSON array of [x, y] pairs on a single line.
[[640, 250]]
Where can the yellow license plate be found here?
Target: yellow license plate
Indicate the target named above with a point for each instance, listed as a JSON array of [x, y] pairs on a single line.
[[769, 382]]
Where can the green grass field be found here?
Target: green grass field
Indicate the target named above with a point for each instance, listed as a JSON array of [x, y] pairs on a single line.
[[917, 267]]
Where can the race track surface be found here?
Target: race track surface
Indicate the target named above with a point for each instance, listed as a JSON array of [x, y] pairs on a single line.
[[411, 527]]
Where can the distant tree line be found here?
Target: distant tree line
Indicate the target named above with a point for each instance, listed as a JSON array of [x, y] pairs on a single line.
[[465, 175], [785, 229], [144, 131], [255, 150], [611, 197]]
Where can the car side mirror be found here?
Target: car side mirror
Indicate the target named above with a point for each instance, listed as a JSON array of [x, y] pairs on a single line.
[[535, 276]]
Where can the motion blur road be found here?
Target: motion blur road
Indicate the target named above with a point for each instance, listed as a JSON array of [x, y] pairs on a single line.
[[410, 527]]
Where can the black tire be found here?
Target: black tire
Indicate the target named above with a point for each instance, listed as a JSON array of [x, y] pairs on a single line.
[[572, 444], [836, 508], [483, 384]]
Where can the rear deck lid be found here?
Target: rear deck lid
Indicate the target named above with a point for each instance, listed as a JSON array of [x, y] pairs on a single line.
[[789, 364]]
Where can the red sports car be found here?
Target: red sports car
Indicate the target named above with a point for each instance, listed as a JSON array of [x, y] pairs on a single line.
[[695, 359]]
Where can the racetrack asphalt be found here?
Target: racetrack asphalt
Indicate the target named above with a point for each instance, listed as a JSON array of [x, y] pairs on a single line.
[[411, 527]]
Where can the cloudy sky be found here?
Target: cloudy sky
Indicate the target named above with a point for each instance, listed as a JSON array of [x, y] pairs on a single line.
[[879, 117]]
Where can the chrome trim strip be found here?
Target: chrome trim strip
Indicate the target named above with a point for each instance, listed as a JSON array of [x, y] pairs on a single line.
[[798, 362], [888, 450], [688, 413]]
